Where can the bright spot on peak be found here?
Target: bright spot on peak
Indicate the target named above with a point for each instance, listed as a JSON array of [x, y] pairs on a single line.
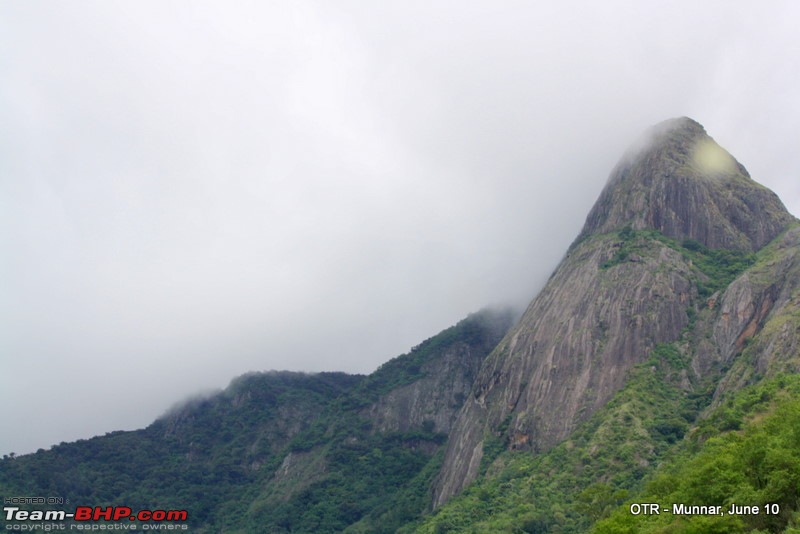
[[711, 159]]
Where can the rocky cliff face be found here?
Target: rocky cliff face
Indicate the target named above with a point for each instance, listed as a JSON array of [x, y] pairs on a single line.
[[620, 292], [679, 181], [756, 322], [682, 248], [433, 400], [285, 451]]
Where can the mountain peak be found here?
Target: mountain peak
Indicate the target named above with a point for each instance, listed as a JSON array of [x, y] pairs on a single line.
[[679, 181], [681, 125], [603, 312]]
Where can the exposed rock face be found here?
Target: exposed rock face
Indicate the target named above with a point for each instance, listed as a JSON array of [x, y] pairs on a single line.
[[570, 351], [681, 182], [274, 443], [447, 377], [600, 313], [433, 400], [758, 319], [297, 471]]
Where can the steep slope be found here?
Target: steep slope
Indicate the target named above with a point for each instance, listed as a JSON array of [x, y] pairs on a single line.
[[757, 319], [747, 451], [199, 457], [368, 461], [282, 451], [746, 446], [628, 283], [679, 181], [444, 382], [701, 406], [674, 317]]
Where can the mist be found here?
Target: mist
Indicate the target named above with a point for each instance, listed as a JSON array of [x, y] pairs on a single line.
[[191, 191]]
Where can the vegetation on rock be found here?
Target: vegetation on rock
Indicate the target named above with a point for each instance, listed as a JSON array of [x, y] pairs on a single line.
[[660, 364]]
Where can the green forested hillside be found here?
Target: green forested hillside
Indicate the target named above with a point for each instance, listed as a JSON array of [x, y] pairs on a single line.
[[747, 453], [291, 452], [273, 452], [666, 437], [201, 457], [659, 365], [567, 488]]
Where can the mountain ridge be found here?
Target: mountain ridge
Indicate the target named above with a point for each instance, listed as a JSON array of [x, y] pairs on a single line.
[[679, 181], [617, 294], [681, 291], [274, 449]]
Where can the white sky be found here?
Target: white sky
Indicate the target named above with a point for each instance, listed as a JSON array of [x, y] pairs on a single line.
[[193, 190]]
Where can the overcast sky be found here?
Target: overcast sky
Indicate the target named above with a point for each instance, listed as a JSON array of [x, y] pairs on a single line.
[[193, 190]]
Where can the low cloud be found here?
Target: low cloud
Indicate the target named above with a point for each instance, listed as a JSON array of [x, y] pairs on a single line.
[[192, 191]]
